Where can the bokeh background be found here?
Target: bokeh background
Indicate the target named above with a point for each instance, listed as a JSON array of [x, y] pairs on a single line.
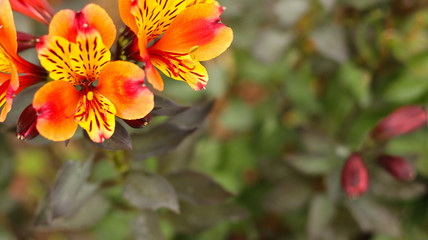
[[298, 91]]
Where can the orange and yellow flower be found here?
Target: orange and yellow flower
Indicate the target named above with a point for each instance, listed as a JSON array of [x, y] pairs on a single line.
[[190, 31], [87, 89], [15, 73]]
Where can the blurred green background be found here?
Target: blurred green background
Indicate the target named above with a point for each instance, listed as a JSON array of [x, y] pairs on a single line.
[[300, 88]]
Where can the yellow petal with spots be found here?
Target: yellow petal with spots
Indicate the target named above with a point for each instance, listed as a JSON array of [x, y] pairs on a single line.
[[96, 114], [90, 55], [182, 67], [153, 17], [54, 55]]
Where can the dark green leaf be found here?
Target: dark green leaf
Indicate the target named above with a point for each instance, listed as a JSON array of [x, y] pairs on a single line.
[[159, 140], [166, 107], [68, 184], [197, 188], [147, 190]]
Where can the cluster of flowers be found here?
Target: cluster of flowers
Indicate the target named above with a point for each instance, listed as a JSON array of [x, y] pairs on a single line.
[[88, 86], [355, 176]]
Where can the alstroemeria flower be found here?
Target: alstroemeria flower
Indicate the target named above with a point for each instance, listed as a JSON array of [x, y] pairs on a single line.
[[87, 89], [39, 10], [190, 32], [15, 73]]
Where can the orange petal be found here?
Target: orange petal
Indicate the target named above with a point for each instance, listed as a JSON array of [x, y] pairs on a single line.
[[55, 104], [197, 30], [123, 84], [90, 55], [63, 25], [6, 99], [67, 24], [126, 15], [7, 28], [96, 114], [181, 67], [153, 76], [54, 55], [99, 19]]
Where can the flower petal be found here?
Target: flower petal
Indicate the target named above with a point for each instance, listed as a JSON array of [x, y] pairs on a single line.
[[68, 24], [123, 84], [39, 10], [90, 55], [182, 67], [55, 104], [7, 28], [96, 114], [197, 30], [54, 55]]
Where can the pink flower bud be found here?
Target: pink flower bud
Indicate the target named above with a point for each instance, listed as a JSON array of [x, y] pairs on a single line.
[[139, 123], [26, 129], [397, 166], [355, 176], [401, 121]]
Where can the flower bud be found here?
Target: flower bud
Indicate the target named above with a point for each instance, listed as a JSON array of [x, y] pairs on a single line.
[[401, 121], [26, 129], [26, 41], [355, 176], [139, 123], [397, 166]]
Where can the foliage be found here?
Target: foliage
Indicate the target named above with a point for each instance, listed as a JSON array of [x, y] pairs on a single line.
[[259, 153]]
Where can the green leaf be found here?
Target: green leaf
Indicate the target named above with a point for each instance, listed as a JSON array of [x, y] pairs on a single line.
[[406, 89], [146, 226], [197, 188], [286, 196], [321, 211], [357, 82], [310, 164], [194, 218], [374, 216], [69, 182], [159, 140], [147, 190], [166, 107]]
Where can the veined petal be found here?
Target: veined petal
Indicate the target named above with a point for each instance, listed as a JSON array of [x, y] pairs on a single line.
[[55, 104], [7, 28], [5, 99], [90, 55], [4, 61], [95, 114], [68, 24], [182, 67], [54, 55], [123, 84], [8, 90], [152, 16], [197, 30]]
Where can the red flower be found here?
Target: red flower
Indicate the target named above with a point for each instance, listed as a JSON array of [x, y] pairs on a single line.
[[401, 121], [355, 176]]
